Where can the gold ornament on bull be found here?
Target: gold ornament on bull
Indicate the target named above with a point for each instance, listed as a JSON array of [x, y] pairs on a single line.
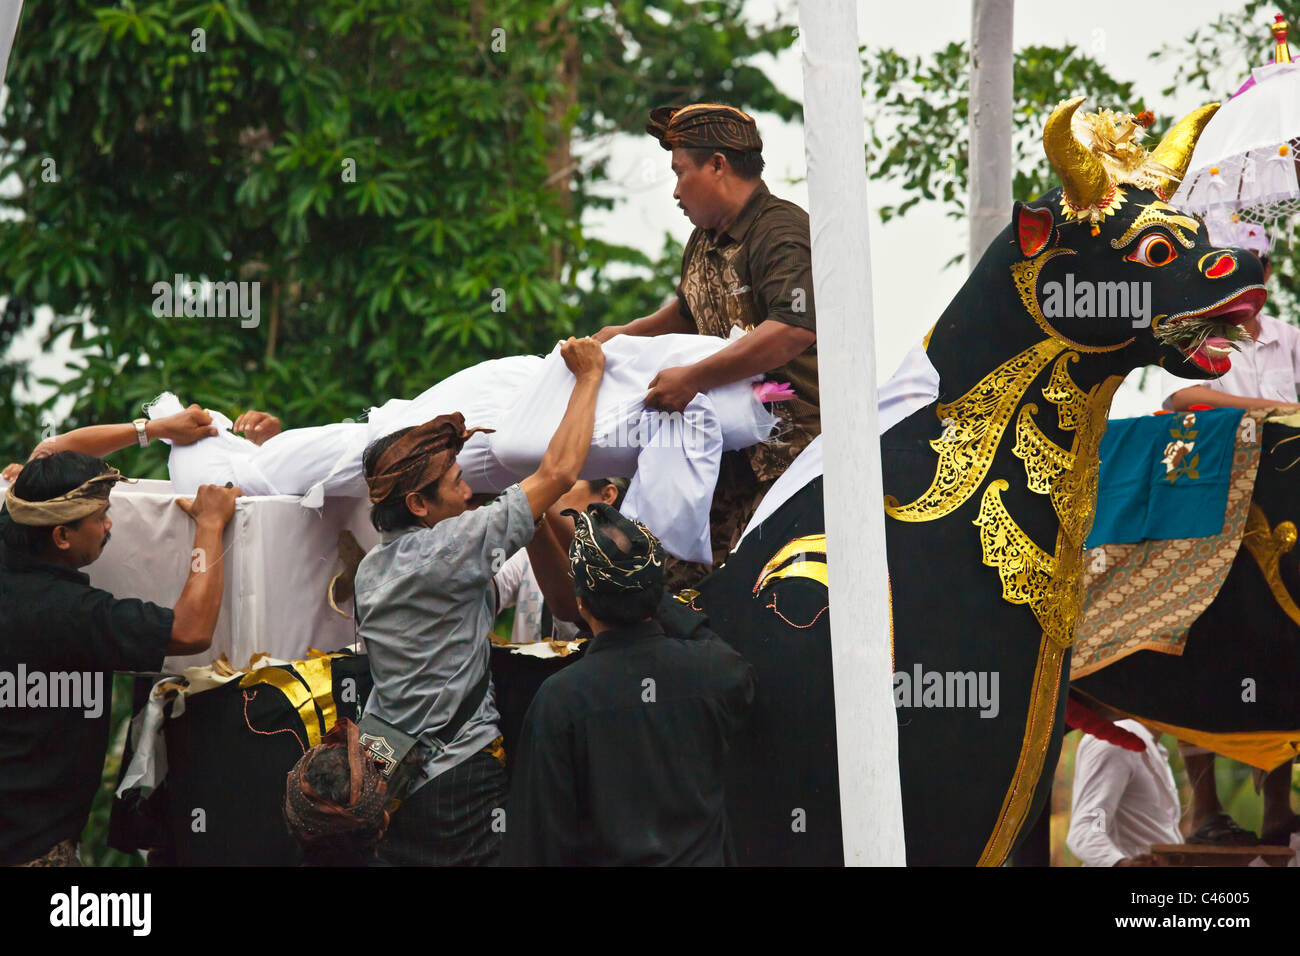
[[1097, 154]]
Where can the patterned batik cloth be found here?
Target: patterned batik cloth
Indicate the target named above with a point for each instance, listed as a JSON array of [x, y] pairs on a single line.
[[744, 274], [61, 854], [1145, 596], [757, 267]]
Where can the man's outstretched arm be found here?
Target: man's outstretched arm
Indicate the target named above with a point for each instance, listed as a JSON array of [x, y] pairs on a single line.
[[666, 320], [567, 452], [770, 345], [1185, 398], [100, 441]]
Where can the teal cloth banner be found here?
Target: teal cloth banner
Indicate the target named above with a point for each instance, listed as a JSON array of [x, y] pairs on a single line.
[[1165, 476]]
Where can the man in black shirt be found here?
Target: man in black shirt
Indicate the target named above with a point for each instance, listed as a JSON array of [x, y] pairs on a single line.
[[61, 639], [621, 755]]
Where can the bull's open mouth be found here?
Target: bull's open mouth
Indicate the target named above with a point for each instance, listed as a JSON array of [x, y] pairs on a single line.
[[1206, 336]]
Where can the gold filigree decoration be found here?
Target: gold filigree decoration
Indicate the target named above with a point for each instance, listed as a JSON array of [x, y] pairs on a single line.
[[1045, 460], [1025, 275], [1108, 206], [1033, 754], [1061, 391], [1267, 545], [1054, 471], [1161, 214], [1051, 584], [1074, 494], [1074, 498], [1029, 574], [973, 426]]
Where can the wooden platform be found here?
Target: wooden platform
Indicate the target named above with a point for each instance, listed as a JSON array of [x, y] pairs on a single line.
[[1192, 854]]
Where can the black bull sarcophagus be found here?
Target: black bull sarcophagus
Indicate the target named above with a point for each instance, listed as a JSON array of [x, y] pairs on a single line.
[[1235, 685], [990, 492]]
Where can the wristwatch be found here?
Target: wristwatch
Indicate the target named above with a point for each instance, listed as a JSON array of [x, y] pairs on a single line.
[[141, 435]]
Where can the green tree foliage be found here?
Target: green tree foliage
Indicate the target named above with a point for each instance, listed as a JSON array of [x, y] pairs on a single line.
[[228, 154], [399, 176], [917, 110], [919, 134], [395, 175]]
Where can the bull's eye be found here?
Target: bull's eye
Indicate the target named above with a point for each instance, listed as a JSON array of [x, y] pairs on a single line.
[[1153, 250]]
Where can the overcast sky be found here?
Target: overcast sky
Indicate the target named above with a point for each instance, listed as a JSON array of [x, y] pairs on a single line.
[[909, 292]]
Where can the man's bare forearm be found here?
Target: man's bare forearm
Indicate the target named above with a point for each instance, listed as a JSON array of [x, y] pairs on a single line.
[[99, 441], [567, 452], [1204, 395], [770, 345], [197, 609], [666, 320], [551, 568], [572, 440]]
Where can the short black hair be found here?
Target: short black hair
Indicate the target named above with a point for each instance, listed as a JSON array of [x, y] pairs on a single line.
[[42, 479], [391, 514], [626, 607], [597, 485], [747, 164]]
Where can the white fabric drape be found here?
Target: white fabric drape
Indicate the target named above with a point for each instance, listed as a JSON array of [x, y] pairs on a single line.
[[672, 459]]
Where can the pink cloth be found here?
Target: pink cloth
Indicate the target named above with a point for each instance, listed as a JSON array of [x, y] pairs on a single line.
[[773, 391]]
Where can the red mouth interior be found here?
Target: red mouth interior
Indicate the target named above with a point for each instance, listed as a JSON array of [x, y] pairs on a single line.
[[1234, 312]]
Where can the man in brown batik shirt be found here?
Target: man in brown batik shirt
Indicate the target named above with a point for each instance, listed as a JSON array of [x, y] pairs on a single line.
[[747, 265]]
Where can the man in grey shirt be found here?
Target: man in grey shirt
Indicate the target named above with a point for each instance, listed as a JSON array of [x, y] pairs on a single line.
[[425, 606]]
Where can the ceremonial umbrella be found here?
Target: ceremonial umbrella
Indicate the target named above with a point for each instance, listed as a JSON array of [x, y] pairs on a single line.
[[1246, 167]]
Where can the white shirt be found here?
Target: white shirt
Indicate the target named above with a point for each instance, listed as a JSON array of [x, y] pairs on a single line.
[[1124, 802], [517, 587], [1267, 367]]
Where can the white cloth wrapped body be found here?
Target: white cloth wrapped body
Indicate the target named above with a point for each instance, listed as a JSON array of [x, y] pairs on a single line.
[[672, 459]]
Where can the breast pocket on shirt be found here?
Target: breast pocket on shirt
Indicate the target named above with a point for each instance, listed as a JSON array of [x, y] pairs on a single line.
[[742, 309], [1278, 384]]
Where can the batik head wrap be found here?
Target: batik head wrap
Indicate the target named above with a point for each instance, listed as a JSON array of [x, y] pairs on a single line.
[[312, 816], [420, 457], [612, 555], [704, 126], [85, 499]]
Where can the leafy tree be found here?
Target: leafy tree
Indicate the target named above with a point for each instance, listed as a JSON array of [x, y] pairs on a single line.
[[376, 168], [631, 57], [389, 172], [918, 112], [919, 135], [398, 176]]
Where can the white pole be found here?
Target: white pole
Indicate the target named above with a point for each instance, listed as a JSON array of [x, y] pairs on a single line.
[[866, 725], [9, 11], [990, 122]]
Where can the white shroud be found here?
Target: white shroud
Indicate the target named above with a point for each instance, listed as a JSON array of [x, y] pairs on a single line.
[[671, 459]]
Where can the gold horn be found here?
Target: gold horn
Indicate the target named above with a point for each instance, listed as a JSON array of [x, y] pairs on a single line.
[[1082, 175], [1175, 150]]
